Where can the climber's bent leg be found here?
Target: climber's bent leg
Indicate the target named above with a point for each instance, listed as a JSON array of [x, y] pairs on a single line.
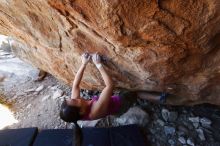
[[152, 96]]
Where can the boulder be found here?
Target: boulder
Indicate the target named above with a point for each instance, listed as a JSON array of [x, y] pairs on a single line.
[[152, 45], [169, 116], [182, 140], [168, 130], [205, 122], [134, 115], [201, 134]]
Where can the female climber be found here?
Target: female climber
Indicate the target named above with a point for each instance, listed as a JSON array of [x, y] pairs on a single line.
[[77, 108]]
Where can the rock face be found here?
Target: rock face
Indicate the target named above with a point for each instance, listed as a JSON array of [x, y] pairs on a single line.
[[171, 46]]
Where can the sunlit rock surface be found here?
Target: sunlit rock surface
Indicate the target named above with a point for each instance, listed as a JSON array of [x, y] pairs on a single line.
[[153, 45]]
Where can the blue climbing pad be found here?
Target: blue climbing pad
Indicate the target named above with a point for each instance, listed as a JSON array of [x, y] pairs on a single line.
[[55, 137], [18, 137], [65, 137], [129, 135], [96, 137], [116, 136]]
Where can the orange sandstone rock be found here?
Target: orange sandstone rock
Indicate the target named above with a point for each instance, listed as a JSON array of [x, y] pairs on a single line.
[[171, 46]]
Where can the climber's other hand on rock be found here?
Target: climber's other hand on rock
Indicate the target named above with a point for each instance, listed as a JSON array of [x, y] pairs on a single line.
[[96, 58], [85, 58]]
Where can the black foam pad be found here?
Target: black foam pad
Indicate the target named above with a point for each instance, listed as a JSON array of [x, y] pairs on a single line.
[[96, 137], [117, 136], [17, 137], [55, 137], [65, 137], [128, 135]]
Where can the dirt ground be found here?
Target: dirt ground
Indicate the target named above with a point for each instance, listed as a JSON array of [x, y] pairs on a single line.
[[34, 103]]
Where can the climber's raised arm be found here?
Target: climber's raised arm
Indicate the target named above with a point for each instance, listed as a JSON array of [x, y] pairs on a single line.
[[78, 77], [100, 108]]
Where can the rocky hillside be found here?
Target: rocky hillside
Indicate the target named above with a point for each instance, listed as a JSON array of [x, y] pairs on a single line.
[[154, 45]]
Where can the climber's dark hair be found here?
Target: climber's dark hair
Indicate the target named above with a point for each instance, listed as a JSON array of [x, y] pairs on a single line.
[[71, 114]]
